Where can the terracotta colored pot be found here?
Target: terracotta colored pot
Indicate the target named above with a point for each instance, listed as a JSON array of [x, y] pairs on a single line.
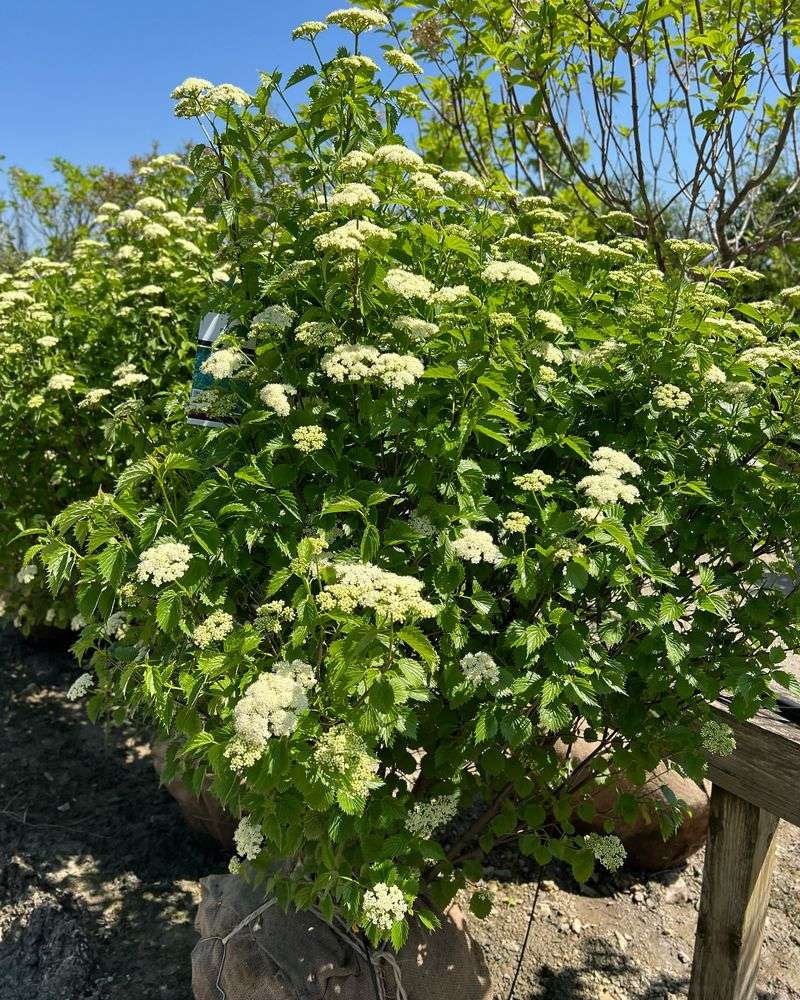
[[646, 847], [203, 813]]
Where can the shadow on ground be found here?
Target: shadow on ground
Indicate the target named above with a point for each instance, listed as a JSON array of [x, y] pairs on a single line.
[[98, 872]]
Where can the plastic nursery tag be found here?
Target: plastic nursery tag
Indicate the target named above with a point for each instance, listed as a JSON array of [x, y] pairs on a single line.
[[212, 325]]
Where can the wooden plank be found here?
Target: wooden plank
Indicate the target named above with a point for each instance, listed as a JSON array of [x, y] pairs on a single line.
[[765, 767], [740, 857]]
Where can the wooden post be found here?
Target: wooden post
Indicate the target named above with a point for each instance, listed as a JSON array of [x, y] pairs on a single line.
[[740, 856]]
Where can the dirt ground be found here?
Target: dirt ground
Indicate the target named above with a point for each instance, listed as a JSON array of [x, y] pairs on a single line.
[[98, 878]]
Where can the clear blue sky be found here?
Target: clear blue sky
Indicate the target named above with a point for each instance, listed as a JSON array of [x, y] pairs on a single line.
[[91, 80]]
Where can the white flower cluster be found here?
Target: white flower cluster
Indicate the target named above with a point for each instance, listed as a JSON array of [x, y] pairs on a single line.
[[476, 546], [551, 321], [402, 61], [461, 181], [608, 486], [451, 295], [248, 838], [715, 376], [356, 19], [27, 574], [398, 371], [425, 183], [275, 396], [516, 522], [717, 738], [368, 586], [308, 29], [315, 333], [604, 352], [130, 378], [408, 285], [608, 850], [422, 524], [163, 563], [275, 317], [213, 629], [223, 363], [354, 162], [690, 250], [80, 687], [533, 482], [361, 64], [510, 272], [353, 236], [761, 358], [569, 550], [356, 196], [547, 352], [269, 708], [670, 397], [426, 817], [383, 906], [309, 438], [420, 329], [93, 397], [151, 204], [354, 362], [479, 668], [614, 463], [272, 615], [196, 96], [343, 759], [395, 155], [61, 382]]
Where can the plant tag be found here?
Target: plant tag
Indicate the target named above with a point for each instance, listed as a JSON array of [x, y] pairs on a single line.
[[212, 326]]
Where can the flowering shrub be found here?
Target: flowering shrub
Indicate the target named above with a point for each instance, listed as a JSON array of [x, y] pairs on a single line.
[[493, 489], [91, 350]]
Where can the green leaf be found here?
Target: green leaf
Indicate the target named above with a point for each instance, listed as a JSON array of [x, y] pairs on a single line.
[[342, 506], [301, 73], [582, 864], [415, 638], [517, 729], [555, 717], [134, 475], [480, 904], [370, 543], [111, 563], [381, 695], [169, 608]]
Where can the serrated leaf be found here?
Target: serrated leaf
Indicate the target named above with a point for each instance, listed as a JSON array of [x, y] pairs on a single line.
[[169, 608], [301, 73], [415, 638], [134, 475], [111, 563]]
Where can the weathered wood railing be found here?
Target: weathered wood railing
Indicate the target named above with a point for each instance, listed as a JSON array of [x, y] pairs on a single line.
[[753, 789]]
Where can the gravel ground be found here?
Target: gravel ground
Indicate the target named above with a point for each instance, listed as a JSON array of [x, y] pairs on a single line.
[[98, 878]]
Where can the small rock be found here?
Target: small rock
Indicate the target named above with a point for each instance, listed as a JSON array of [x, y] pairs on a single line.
[[576, 926], [678, 893], [683, 958]]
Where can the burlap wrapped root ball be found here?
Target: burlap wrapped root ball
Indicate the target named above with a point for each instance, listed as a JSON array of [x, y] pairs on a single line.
[[250, 949]]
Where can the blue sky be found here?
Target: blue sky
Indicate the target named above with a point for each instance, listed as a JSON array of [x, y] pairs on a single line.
[[90, 81]]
